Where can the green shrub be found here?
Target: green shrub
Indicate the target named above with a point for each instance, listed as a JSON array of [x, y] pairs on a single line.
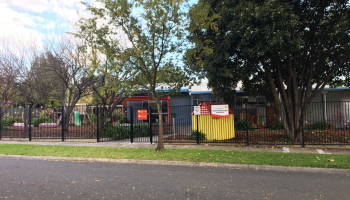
[[93, 118], [242, 125], [7, 122], [18, 120], [5, 128], [141, 130], [37, 121], [118, 114], [11, 121], [261, 121], [193, 136], [2, 128], [116, 132], [322, 126], [120, 121], [277, 126]]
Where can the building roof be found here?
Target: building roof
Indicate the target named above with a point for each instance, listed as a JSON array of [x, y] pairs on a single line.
[[202, 88]]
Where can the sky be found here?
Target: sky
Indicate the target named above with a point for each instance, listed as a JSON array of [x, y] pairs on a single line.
[[28, 20]]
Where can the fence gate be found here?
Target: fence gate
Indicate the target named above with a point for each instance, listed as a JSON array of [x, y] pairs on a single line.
[[113, 125], [124, 124]]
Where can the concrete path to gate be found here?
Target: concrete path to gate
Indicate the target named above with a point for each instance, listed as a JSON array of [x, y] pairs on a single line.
[[234, 147]]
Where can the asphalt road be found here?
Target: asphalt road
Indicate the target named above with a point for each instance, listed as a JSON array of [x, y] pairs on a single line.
[[33, 179]]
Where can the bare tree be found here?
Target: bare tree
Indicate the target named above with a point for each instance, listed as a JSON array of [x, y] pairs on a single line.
[[65, 63], [26, 74], [8, 74]]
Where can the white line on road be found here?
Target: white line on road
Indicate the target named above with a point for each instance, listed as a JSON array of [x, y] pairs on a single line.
[[285, 150], [320, 151]]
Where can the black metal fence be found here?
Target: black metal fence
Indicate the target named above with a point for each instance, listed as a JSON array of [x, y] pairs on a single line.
[[323, 124], [48, 123]]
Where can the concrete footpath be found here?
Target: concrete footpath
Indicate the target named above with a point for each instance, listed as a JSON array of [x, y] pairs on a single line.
[[234, 147]]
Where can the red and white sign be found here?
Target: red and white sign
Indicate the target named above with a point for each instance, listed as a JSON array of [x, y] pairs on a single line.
[[142, 115], [197, 110], [219, 111]]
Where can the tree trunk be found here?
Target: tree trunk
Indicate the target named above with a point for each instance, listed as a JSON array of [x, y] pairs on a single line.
[[292, 119], [67, 111], [103, 117], [160, 145], [26, 117]]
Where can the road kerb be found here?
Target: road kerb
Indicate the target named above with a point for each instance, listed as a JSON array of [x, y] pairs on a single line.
[[182, 163]]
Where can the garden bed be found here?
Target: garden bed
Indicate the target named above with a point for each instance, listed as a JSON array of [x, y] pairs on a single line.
[[74, 132], [275, 137], [178, 138]]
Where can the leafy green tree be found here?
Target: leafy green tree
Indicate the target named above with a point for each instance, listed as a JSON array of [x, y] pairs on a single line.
[[147, 36], [294, 48]]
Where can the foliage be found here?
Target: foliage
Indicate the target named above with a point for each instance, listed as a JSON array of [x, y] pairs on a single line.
[[11, 121], [123, 120], [49, 103], [277, 126], [93, 118], [122, 132], [143, 47], [96, 100], [322, 126], [261, 120], [39, 120], [286, 141], [118, 114], [193, 135], [141, 130], [116, 132], [242, 125], [45, 113], [294, 47], [3, 128]]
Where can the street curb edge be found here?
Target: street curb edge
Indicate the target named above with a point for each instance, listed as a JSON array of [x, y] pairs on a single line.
[[181, 163]]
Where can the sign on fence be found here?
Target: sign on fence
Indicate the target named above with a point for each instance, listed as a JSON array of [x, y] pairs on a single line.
[[142, 115], [219, 111], [197, 110]]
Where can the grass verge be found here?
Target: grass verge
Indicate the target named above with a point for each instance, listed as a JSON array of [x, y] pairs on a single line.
[[193, 155]]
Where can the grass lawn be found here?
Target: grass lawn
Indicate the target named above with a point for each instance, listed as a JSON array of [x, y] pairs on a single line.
[[194, 155]]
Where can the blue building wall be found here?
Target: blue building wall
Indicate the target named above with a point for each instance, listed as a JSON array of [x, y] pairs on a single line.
[[181, 106]]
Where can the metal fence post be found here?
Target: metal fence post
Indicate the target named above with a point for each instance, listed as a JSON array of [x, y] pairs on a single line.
[[131, 125], [0, 123], [29, 122], [246, 121], [150, 124], [97, 124], [302, 127], [197, 131], [62, 121]]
